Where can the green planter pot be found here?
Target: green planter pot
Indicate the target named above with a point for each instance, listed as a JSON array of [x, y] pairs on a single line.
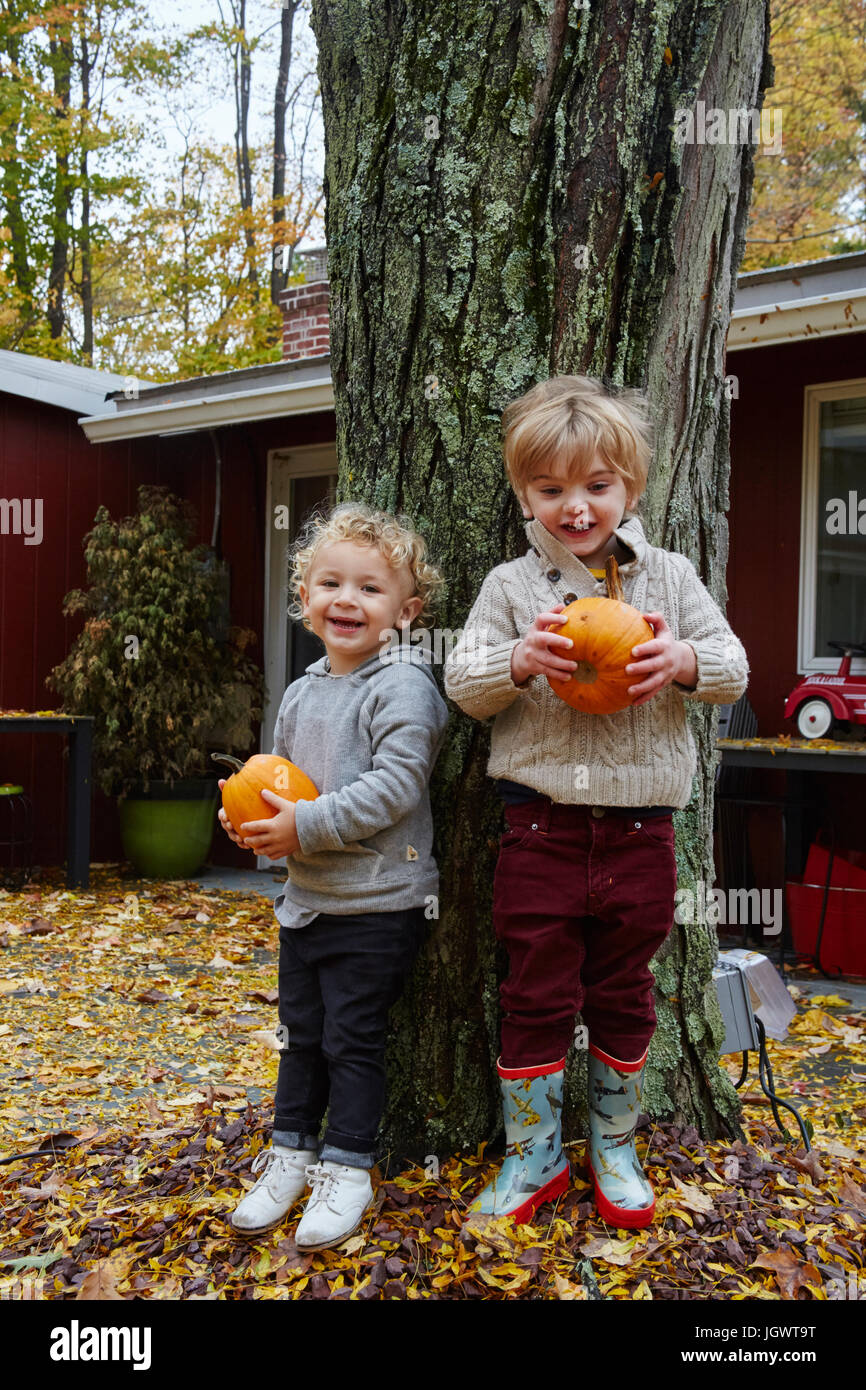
[[167, 831]]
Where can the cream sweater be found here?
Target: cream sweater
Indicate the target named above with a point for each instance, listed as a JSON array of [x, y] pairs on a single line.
[[642, 756]]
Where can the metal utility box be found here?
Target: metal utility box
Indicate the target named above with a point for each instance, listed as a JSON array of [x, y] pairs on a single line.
[[733, 996], [748, 984]]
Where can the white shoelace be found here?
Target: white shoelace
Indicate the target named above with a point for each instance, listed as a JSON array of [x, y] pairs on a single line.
[[269, 1159], [322, 1181]]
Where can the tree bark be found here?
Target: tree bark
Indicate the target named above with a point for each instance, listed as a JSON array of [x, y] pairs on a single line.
[[287, 20], [61, 57], [243, 81], [85, 287], [506, 201]]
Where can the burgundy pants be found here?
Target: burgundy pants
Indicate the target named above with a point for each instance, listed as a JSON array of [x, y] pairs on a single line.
[[582, 903]]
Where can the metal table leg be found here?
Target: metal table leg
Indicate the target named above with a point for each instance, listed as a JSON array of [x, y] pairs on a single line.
[[78, 829]]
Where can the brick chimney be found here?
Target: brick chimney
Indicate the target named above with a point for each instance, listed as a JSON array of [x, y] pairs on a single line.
[[305, 309]]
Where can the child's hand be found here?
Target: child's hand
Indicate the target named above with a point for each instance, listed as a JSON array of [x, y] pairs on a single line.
[[537, 653], [275, 837], [660, 661], [225, 822]]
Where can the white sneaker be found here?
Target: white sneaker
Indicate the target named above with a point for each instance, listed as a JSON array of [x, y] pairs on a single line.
[[336, 1206], [281, 1184]]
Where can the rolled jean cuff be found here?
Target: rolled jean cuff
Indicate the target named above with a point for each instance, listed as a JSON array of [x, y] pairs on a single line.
[[294, 1139], [348, 1148], [331, 1154]]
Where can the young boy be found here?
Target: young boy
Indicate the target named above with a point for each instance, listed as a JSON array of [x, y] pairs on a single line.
[[584, 890], [366, 723]]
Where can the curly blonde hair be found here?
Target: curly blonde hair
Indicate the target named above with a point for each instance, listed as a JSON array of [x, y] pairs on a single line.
[[569, 419], [393, 536]]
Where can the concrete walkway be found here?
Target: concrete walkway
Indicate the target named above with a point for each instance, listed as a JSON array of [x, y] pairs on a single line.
[[268, 882]]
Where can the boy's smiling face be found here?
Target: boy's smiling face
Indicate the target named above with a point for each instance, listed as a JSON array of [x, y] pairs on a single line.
[[581, 511], [352, 597]]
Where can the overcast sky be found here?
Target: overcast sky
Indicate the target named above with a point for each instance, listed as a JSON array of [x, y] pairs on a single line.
[[214, 101]]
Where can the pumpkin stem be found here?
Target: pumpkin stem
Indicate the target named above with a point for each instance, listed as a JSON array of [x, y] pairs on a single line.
[[612, 579], [234, 763]]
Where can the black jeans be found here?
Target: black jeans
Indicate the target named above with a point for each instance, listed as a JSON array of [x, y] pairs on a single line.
[[338, 978]]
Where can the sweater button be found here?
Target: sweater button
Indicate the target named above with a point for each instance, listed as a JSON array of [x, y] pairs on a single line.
[[598, 812], [553, 575], [569, 598]]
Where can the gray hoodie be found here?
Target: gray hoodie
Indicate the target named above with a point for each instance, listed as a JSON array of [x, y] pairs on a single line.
[[369, 741]]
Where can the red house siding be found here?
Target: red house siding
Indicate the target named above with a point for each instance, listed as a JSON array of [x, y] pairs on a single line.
[[764, 519], [45, 454], [763, 574]]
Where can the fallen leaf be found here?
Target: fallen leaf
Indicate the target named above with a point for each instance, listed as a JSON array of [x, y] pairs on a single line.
[[101, 1281], [852, 1194], [693, 1198], [791, 1274], [267, 1038]]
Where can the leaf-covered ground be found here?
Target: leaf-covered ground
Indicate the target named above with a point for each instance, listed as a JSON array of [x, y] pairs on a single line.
[[136, 1047]]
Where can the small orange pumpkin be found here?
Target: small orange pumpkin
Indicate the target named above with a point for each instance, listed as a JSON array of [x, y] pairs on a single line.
[[603, 631], [241, 793]]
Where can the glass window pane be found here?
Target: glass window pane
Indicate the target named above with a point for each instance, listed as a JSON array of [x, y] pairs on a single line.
[[840, 612]]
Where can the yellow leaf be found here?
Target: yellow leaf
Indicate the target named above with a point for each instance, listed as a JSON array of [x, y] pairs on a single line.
[[352, 1245], [642, 1290], [693, 1198]]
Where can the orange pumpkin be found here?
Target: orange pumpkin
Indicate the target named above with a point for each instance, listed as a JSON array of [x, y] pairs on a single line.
[[603, 631], [241, 793]]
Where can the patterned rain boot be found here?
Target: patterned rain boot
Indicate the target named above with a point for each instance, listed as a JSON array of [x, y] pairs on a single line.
[[622, 1191], [535, 1168]]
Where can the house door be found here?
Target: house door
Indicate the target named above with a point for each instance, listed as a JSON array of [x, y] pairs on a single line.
[[299, 482]]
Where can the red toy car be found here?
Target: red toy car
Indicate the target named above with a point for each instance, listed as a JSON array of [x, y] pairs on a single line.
[[817, 704]]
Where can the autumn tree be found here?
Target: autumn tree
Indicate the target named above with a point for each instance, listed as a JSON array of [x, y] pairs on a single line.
[[809, 196], [506, 201], [56, 63]]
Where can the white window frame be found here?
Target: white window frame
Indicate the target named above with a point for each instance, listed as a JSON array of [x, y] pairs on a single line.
[[306, 461], [814, 396]]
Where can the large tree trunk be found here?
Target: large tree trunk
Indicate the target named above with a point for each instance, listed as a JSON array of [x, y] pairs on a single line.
[[506, 201]]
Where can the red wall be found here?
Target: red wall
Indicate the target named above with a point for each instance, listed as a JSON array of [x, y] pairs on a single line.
[[45, 454]]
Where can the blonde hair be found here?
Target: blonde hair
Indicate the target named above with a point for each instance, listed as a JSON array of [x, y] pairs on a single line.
[[568, 420], [393, 536]]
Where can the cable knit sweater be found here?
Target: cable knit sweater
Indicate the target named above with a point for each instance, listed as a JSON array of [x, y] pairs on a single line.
[[642, 756]]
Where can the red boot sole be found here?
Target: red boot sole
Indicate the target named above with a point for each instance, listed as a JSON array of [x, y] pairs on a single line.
[[627, 1218], [554, 1188]]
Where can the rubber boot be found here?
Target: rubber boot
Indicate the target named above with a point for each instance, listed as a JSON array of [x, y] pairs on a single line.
[[535, 1169], [622, 1191]]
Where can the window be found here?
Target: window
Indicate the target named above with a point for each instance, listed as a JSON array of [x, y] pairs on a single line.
[[833, 535]]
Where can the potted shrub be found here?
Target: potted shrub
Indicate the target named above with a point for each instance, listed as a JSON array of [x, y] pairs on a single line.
[[164, 676]]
